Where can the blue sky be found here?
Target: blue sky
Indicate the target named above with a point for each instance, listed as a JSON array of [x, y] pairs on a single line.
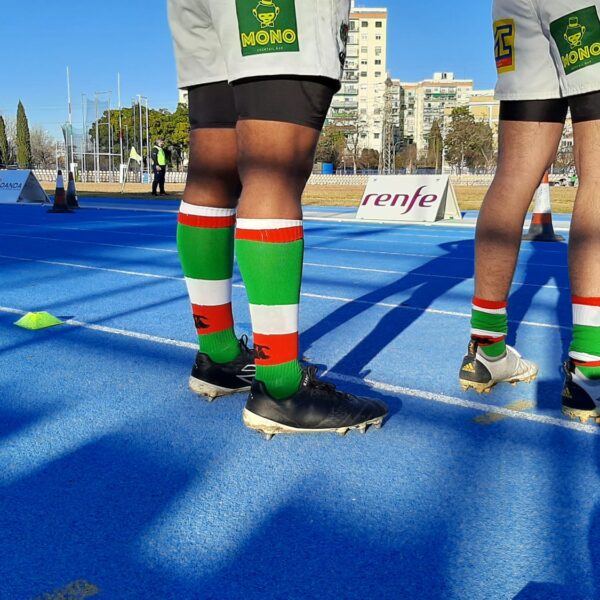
[[99, 39]]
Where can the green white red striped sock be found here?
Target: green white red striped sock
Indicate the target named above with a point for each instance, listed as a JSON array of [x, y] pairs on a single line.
[[489, 326], [269, 254], [205, 244], [585, 347]]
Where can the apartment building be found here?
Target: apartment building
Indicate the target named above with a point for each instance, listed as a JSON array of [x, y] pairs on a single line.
[[361, 97], [426, 101]]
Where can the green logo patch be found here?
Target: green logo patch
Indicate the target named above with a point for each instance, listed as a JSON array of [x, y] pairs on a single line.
[[267, 26], [577, 36]]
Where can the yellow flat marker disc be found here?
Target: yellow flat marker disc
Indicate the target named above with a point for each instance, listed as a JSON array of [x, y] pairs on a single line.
[[38, 320]]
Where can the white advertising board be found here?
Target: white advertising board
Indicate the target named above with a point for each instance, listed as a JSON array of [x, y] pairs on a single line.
[[410, 198], [21, 186]]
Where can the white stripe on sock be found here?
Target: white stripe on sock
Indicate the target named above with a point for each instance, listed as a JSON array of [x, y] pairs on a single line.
[[205, 211], [489, 334], [262, 224], [207, 292], [274, 320], [583, 357], [586, 315], [489, 311]]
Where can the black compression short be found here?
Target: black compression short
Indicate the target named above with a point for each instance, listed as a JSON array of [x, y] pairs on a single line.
[[298, 100], [538, 111], [584, 107]]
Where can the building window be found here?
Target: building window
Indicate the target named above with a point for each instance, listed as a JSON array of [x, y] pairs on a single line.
[[377, 62], [364, 63], [363, 73], [364, 50], [377, 73], [364, 23], [376, 136], [378, 24], [378, 37]]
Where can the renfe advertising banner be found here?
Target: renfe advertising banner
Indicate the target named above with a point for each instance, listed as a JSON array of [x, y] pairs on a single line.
[[20, 186], [412, 198]]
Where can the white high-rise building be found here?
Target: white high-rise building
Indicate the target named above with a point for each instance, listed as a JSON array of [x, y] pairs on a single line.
[[361, 97]]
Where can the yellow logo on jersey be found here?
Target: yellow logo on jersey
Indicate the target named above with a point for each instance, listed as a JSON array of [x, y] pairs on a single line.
[[575, 32], [504, 45], [267, 27], [266, 12]]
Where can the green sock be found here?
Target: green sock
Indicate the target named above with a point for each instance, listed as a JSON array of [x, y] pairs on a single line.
[[585, 347], [269, 254], [489, 326], [205, 244]]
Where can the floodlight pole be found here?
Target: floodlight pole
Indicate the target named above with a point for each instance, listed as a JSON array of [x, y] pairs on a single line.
[[69, 140], [120, 120]]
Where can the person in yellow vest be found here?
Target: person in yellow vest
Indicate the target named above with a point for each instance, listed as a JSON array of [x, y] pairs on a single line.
[[159, 167]]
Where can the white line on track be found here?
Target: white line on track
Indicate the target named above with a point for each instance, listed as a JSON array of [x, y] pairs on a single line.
[[111, 230], [341, 299], [463, 403], [308, 247], [401, 236], [67, 241], [377, 385], [419, 255]]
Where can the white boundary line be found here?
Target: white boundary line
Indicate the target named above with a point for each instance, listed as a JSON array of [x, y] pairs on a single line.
[[308, 247], [341, 299], [377, 385]]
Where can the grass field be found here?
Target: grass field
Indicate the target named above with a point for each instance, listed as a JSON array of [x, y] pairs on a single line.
[[469, 197]]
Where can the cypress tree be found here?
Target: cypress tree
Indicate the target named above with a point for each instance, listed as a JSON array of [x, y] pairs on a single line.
[[3, 143], [23, 139]]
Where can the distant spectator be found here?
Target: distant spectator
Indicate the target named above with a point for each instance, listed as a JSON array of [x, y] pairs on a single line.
[[159, 168]]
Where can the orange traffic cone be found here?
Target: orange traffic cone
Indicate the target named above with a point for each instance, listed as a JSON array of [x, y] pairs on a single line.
[[541, 228], [72, 192], [60, 199]]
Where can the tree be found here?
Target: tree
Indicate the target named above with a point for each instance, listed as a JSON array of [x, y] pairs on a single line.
[[172, 128], [4, 152], [407, 158], [469, 143], [43, 148], [369, 158], [331, 145], [481, 150], [435, 147], [23, 138]]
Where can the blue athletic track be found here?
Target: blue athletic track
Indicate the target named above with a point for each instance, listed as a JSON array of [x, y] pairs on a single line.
[[117, 482]]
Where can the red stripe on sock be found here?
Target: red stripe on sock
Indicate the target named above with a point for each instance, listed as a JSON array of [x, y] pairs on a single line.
[[585, 301], [487, 341], [212, 319], [270, 350], [272, 236], [581, 363], [206, 222], [489, 304]]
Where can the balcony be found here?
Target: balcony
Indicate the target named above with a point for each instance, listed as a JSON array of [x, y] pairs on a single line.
[[344, 104]]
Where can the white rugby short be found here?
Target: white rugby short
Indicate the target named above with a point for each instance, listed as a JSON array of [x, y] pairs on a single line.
[[546, 48], [227, 40]]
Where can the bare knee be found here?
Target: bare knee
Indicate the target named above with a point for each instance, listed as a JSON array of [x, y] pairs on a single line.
[[277, 151], [212, 178]]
